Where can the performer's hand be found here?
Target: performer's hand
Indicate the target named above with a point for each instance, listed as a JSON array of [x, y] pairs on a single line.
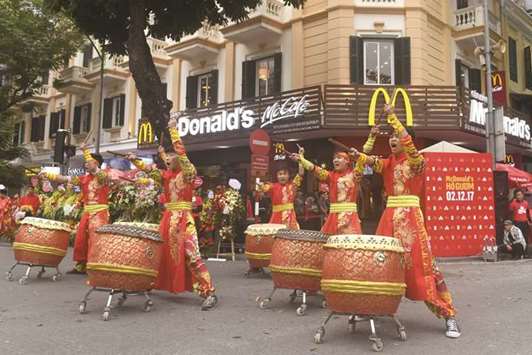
[[172, 123], [131, 156], [83, 146], [354, 152], [301, 150], [375, 130], [295, 157], [161, 149], [388, 109]]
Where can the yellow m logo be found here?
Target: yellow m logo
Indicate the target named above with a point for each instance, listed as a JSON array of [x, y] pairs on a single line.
[[496, 80], [390, 101], [145, 133], [279, 148]]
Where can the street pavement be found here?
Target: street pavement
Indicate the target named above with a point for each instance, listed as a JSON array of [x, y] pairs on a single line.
[[42, 317]]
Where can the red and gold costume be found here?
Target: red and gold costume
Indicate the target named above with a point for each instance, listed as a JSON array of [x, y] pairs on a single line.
[[343, 188], [6, 218], [30, 203], [283, 196], [403, 219], [94, 197], [182, 268]]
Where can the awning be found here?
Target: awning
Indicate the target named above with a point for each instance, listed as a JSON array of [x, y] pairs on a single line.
[[516, 177]]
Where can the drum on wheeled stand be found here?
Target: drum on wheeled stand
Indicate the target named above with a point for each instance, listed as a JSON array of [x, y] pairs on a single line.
[[296, 263], [123, 259], [364, 278]]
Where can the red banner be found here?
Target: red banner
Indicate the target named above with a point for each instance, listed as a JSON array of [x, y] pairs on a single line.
[[459, 203], [498, 83]]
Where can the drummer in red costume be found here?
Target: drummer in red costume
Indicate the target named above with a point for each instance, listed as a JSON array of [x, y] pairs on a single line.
[[181, 266], [282, 194], [343, 188], [30, 202], [403, 182], [95, 192]]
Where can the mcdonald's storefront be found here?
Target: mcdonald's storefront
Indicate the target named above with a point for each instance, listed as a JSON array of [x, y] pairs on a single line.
[[217, 137]]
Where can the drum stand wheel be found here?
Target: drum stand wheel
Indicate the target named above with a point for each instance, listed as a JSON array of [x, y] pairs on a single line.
[[24, 279], [263, 302], [106, 315], [376, 343]]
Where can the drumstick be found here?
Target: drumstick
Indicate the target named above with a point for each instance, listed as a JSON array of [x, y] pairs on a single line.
[[87, 138], [339, 144], [120, 154]]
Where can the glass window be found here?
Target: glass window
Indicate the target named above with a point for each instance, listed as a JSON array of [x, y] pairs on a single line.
[[18, 137], [464, 75], [204, 90], [116, 112], [265, 69], [461, 4], [84, 119], [378, 62]]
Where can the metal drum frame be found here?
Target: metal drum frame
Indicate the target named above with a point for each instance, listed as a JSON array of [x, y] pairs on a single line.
[[376, 342], [106, 315], [24, 279], [263, 302]]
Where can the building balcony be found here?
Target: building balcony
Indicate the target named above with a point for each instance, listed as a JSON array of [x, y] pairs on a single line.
[[265, 23], [203, 44], [469, 23], [41, 97], [114, 70], [380, 3], [72, 80]]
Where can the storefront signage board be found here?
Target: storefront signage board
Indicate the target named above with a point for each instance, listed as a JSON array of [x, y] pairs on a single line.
[[459, 212], [512, 126]]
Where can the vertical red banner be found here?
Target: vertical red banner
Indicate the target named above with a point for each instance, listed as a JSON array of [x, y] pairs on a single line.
[[459, 203], [498, 82]]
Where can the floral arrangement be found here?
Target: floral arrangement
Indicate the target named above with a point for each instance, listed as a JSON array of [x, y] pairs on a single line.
[[122, 202], [61, 205], [130, 202]]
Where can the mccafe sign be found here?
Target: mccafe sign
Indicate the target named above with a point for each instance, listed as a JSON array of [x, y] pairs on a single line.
[[512, 126], [280, 111]]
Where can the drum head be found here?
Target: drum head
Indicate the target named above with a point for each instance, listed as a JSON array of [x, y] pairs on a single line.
[[129, 231], [264, 229], [301, 234], [46, 224], [365, 242]]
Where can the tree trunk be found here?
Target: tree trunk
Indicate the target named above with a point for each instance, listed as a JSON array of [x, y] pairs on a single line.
[[155, 106]]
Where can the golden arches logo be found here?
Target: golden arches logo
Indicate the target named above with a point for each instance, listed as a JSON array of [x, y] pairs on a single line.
[[145, 133], [390, 101], [279, 148], [509, 159], [496, 80]]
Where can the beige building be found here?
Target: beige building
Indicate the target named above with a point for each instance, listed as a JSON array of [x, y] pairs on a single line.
[[328, 58]]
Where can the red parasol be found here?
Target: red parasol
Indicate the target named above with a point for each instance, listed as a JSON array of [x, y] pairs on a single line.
[[516, 177]]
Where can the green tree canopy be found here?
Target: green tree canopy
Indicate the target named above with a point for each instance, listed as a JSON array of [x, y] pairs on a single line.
[[34, 40], [123, 26]]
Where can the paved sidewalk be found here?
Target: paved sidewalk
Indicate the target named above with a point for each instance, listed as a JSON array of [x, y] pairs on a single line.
[[494, 302]]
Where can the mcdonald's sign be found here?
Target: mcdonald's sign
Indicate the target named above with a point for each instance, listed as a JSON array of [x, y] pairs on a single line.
[[390, 101], [509, 159], [498, 83], [146, 135]]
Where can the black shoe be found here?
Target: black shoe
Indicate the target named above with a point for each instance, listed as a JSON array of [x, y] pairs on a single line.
[[76, 272], [209, 303]]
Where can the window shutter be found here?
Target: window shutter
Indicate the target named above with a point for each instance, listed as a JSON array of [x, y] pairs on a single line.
[[108, 113], [34, 130], [356, 61], [278, 73], [89, 118], [458, 72], [122, 109], [512, 56], [41, 125], [475, 80], [213, 93], [248, 79], [165, 89], [402, 60], [22, 132], [87, 55], [16, 134], [62, 118], [528, 69], [77, 120], [192, 92], [54, 124]]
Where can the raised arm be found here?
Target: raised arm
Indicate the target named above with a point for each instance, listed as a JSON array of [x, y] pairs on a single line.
[[320, 173], [370, 143], [415, 160], [188, 169]]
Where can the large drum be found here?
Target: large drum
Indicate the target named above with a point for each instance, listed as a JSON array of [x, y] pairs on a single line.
[[41, 241], [259, 243], [363, 274], [124, 257], [297, 259]]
